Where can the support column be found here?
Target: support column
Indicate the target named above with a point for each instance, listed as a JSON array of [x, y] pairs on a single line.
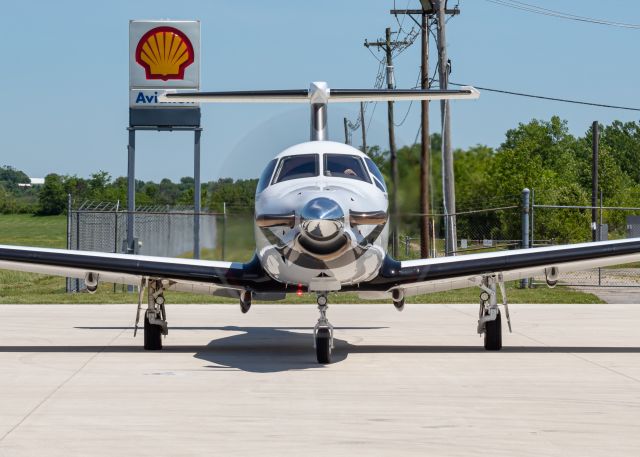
[[131, 190], [196, 193]]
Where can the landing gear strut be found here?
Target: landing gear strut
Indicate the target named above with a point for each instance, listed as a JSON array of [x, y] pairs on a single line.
[[323, 332], [155, 317], [490, 318]]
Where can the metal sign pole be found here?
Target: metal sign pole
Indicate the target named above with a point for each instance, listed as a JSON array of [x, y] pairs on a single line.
[[131, 189], [196, 193]]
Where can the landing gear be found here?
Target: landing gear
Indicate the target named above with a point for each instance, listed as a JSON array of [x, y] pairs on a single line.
[[155, 317], [398, 299], [245, 301], [490, 318], [323, 332], [152, 335]]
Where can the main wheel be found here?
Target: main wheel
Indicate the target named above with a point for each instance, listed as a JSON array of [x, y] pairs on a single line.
[[493, 334], [152, 336], [323, 345]]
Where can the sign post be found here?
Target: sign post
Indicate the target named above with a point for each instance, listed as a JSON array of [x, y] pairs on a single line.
[[163, 56]]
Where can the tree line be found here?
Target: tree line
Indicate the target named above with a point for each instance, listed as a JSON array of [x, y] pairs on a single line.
[[541, 155], [51, 198]]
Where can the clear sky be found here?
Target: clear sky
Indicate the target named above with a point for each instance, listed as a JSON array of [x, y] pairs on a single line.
[[64, 75]]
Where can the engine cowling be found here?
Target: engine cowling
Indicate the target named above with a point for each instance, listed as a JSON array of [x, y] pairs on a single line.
[[551, 276], [91, 282]]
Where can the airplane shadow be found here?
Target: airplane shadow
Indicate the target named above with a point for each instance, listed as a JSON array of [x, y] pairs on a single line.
[[277, 349]]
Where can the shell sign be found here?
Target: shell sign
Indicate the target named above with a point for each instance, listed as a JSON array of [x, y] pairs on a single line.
[[164, 54]]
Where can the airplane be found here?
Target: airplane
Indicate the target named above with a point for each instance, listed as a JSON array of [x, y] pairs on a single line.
[[321, 226]]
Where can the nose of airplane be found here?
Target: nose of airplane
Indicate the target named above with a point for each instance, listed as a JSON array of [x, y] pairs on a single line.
[[321, 224], [322, 218]]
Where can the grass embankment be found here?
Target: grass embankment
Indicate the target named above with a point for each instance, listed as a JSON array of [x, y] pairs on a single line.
[[16, 287]]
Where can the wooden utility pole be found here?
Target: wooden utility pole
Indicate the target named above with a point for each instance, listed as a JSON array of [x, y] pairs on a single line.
[[362, 126], [448, 179], [425, 150], [388, 45], [427, 11]]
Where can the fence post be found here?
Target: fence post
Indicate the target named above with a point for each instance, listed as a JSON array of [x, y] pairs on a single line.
[[524, 283], [224, 227], [533, 211], [77, 244], [115, 234]]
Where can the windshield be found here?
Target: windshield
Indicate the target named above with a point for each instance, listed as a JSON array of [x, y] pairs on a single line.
[[377, 176], [265, 177], [345, 166], [295, 167]]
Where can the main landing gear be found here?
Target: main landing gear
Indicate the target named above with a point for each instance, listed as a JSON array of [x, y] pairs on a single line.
[[155, 317], [490, 319], [323, 332]]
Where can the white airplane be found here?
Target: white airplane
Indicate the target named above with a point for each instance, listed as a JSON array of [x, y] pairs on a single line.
[[321, 218]]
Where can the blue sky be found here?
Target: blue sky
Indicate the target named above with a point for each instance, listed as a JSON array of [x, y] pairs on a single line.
[[65, 77]]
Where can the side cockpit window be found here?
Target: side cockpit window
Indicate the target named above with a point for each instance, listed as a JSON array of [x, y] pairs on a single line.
[[345, 166], [265, 177], [378, 179], [298, 166]]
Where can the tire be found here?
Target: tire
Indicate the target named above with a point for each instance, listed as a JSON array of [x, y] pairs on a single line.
[[493, 334], [323, 346], [152, 336]]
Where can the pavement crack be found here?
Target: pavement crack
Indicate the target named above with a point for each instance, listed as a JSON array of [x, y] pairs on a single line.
[[60, 386]]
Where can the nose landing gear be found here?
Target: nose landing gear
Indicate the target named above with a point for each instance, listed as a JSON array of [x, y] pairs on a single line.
[[323, 332]]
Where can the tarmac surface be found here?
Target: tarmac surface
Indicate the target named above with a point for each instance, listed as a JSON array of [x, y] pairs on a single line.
[[618, 295], [73, 382]]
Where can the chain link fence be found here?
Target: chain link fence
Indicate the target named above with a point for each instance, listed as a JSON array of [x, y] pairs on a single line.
[[228, 234], [500, 228], [158, 231], [480, 230]]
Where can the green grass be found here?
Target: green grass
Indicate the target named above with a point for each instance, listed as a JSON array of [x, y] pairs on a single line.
[[18, 288], [27, 230]]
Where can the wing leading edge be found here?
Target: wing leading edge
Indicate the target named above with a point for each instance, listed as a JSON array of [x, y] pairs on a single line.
[[201, 276], [423, 276]]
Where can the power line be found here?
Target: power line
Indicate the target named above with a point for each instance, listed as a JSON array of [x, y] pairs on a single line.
[[554, 99], [515, 4]]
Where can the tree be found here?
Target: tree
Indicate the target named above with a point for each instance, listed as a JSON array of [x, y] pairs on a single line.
[[11, 177], [52, 199]]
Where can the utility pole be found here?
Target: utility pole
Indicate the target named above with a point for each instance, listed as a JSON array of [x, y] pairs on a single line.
[[427, 11], [425, 149], [595, 143], [448, 179], [388, 45], [362, 126], [346, 131]]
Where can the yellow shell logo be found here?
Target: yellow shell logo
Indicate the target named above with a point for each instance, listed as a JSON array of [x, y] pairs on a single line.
[[164, 52]]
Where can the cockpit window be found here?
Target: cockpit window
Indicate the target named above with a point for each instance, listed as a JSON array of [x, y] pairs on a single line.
[[265, 177], [377, 176], [345, 166], [295, 167]]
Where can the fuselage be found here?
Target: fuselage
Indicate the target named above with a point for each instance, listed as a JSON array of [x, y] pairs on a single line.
[[321, 216]]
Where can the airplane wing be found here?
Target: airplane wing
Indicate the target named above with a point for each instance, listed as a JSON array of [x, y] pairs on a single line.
[[415, 277], [187, 275]]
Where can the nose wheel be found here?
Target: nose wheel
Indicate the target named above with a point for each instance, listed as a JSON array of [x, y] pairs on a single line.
[[323, 332]]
